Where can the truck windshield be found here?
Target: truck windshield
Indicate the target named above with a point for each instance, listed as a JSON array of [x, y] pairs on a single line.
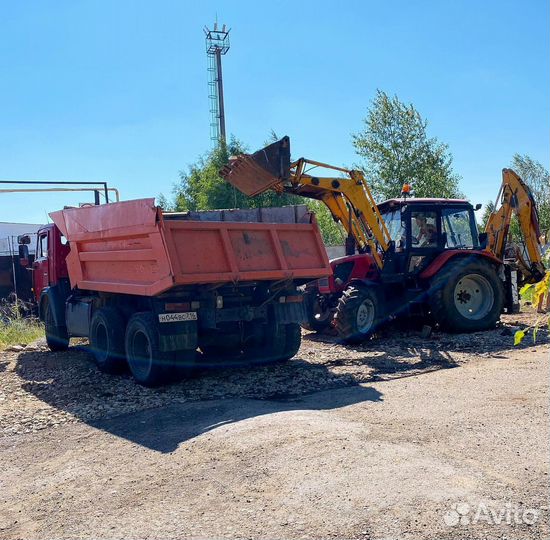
[[457, 224]]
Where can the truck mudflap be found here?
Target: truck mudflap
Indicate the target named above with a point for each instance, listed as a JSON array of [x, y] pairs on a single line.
[[178, 335], [289, 312]]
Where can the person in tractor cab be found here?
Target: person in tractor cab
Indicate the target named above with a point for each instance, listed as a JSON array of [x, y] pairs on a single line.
[[427, 232]]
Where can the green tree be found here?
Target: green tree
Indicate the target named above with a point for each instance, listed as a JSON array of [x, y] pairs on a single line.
[[396, 148], [202, 188], [332, 232], [488, 209]]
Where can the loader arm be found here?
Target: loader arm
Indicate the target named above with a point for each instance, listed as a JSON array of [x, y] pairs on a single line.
[[515, 197], [347, 196]]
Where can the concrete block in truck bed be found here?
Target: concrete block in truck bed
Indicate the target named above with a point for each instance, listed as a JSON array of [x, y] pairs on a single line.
[[285, 214], [129, 247]]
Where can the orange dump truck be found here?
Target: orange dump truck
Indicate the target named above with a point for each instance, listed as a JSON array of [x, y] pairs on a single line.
[[151, 289]]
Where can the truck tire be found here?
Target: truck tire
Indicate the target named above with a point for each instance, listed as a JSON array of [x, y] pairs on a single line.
[[57, 337], [319, 316], [107, 340], [293, 340], [149, 365], [271, 348], [358, 314], [466, 296]]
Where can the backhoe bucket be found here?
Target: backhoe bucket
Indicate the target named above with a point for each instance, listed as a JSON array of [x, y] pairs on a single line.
[[255, 173]]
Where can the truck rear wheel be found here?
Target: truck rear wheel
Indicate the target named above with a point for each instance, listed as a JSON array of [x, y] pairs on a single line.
[[293, 340], [358, 314], [149, 365], [107, 340], [466, 297], [271, 348], [57, 337]]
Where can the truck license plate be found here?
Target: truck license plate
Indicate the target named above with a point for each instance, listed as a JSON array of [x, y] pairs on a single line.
[[177, 317]]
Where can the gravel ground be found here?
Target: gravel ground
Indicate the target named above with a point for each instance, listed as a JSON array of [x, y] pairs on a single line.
[[40, 389], [371, 441]]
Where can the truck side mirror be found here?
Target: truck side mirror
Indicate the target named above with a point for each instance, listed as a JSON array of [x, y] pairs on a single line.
[[24, 239], [483, 240], [478, 207], [23, 255]]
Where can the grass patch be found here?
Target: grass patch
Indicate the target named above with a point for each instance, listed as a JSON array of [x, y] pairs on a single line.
[[17, 330]]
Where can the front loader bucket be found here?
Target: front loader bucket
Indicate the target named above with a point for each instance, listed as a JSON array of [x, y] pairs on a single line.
[[255, 173]]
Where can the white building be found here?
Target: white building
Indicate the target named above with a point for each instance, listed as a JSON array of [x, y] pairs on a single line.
[[9, 233]]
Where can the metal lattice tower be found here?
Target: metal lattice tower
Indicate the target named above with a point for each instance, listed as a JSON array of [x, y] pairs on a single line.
[[217, 44]]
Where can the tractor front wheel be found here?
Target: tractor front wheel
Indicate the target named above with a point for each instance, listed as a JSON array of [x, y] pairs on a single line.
[[358, 314], [319, 314]]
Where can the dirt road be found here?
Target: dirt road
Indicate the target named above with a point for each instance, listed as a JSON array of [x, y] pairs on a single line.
[[402, 437]]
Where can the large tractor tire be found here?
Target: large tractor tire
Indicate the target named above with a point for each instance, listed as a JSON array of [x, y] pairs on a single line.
[[319, 315], [57, 337], [466, 296], [358, 314], [107, 340], [149, 365]]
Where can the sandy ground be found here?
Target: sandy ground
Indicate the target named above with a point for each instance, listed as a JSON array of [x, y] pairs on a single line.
[[403, 437]]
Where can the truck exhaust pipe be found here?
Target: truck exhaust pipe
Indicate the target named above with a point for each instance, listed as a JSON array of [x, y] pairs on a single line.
[[255, 173]]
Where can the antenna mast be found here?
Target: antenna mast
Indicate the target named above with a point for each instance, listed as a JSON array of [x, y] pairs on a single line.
[[217, 44]]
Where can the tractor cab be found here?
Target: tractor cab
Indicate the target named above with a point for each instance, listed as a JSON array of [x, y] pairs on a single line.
[[421, 229]]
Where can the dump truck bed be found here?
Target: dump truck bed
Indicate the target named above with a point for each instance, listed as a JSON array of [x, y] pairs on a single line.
[[130, 247]]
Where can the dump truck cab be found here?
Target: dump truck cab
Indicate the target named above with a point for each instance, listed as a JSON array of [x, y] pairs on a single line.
[[50, 265]]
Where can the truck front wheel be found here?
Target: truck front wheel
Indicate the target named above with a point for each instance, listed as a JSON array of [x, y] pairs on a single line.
[[56, 336], [107, 340], [149, 365]]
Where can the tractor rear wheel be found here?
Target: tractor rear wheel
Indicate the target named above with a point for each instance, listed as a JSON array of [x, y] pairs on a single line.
[[358, 313], [466, 296]]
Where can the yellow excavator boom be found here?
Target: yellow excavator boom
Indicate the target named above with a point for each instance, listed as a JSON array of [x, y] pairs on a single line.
[[515, 198]]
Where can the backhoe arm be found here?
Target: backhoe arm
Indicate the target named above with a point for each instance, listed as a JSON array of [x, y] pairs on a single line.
[[515, 197], [347, 197], [349, 200]]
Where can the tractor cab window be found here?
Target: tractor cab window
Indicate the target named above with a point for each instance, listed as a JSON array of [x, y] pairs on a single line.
[[424, 228], [396, 228], [457, 226]]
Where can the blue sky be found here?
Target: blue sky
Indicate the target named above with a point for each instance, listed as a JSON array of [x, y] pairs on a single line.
[[117, 90]]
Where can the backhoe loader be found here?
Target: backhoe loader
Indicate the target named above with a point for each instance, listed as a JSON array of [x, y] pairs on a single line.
[[420, 257]]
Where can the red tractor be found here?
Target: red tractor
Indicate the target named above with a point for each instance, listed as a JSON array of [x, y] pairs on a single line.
[[405, 256]]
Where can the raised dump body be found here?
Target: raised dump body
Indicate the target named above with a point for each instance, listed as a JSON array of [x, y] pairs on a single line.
[[131, 247], [163, 291]]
